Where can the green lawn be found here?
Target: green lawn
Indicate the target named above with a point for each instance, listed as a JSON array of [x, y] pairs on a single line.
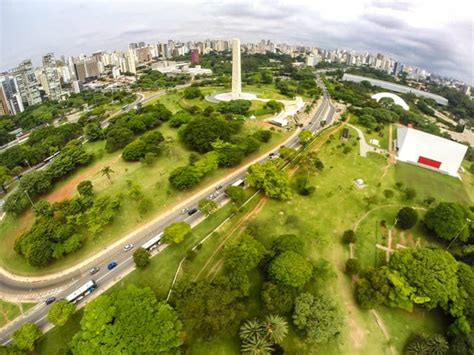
[[9, 311], [153, 180]]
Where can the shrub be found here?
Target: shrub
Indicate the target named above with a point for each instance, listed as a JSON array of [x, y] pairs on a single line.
[[349, 236], [407, 218], [352, 266]]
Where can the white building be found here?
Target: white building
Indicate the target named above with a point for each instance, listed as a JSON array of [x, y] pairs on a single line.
[[115, 72], [76, 88], [429, 151]]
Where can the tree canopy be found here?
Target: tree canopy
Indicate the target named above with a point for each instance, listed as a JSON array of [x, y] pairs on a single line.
[[290, 269]]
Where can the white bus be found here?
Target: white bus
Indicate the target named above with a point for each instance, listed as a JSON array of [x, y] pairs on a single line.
[[82, 292], [152, 243], [239, 182]]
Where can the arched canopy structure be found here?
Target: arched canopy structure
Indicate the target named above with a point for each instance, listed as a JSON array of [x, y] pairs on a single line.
[[396, 99]]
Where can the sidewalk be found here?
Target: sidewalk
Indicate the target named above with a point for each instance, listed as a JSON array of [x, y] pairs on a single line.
[[364, 148]]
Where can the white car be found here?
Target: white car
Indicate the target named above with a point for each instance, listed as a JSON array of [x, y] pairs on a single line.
[[128, 247]]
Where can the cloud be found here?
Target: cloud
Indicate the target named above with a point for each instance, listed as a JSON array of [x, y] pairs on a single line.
[[436, 35]]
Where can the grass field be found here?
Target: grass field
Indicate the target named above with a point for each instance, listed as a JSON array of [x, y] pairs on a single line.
[[336, 205], [153, 180], [9, 311]]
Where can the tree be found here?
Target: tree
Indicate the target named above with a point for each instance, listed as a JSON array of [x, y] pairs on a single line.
[[180, 118], [289, 242], [184, 177], [128, 321], [24, 338], [117, 138], [251, 329], [85, 188], [447, 220], [141, 257], [349, 236], [60, 312], [318, 317], [352, 266], [388, 193], [43, 208], [229, 154], [263, 136], [106, 171], [410, 193], [276, 328], [290, 269], [192, 92], [207, 206], [257, 346], [145, 205], [305, 136], [35, 183], [209, 308], [134, 151], [272, 181], [407, 218], [176, 232], [93, 131], [426, 345], [302, 185], [5, 176], [236, 194], [243, 254], [278, 299]]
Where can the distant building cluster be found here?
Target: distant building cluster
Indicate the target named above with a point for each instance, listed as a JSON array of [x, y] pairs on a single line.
[[57, 78]]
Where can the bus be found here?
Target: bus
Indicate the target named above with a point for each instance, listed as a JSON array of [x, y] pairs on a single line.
[[152, 243], [239, 182], [82, 292]]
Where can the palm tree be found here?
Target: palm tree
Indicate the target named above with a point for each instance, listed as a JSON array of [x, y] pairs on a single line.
[[251, 329], [257, 346], [106, 170], [276, 328]]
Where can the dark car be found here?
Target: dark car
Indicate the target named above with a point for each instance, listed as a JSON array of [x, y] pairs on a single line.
[[111, 265], [50, 300], [192, 211]]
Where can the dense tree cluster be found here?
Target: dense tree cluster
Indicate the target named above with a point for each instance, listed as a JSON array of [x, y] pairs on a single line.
[[236, 107], [60, 312], [448, 220], [130, 320], [150, 142], [60, 229], [270, 179], [428, 277], [154, 80], [39, 182]]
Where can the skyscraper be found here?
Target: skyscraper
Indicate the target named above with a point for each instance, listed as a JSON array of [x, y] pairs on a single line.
[[194, 56], [52, 82], [12, 103], [86, 69], [28, 86]]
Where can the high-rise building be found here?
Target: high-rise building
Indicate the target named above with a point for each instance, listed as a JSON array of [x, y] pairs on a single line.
[[132, 46], [51, 81], [115, 72], [86, 69], [194, 56], [143, 55], [28, 85], [76, 87], [130, 62], [11, 100]]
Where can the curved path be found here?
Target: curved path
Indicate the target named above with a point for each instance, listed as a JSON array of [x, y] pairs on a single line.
[[28, 289]]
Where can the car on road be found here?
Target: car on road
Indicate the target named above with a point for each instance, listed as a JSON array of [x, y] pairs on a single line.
[[111, 265], [128, 247], [192, 211], [94, 270], [184, 210], [218, 187], [50, 300]]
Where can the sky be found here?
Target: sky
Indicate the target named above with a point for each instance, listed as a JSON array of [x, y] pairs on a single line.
[[436, 35]]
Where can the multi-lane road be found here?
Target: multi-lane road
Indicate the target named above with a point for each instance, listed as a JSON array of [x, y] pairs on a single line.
[[64, 284]]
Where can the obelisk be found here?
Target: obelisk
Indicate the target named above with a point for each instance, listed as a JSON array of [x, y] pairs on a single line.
[[236, 74]]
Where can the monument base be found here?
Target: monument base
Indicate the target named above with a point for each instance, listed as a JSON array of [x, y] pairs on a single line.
[[229, 96]]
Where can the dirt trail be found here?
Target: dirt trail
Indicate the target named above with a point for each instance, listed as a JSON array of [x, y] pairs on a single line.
[[248, 216], [381, 325]]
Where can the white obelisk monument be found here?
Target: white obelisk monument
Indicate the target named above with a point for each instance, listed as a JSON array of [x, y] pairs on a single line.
[[236, 71], [236, 92]]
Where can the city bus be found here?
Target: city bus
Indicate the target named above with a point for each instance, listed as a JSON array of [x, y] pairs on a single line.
[[152, 243], [82, 292], [239, 182]]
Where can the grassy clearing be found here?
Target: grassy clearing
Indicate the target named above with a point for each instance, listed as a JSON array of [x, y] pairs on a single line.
[[381, 136], [9, 311], [153, 180]]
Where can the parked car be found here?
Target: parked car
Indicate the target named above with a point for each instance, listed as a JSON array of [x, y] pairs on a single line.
[[50, 300], [184, 210], [192, 211], [128, 247], [94, 270], [111, 265]]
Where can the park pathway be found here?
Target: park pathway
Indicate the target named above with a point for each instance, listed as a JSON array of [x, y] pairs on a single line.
[[364, 148]]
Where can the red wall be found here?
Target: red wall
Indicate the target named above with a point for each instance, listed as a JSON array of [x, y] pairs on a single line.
[[429, 162]]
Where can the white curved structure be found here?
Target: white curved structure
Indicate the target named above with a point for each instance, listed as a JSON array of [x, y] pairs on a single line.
[[397, 99]]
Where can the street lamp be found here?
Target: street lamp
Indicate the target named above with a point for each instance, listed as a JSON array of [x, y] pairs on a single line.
[[457, 236]]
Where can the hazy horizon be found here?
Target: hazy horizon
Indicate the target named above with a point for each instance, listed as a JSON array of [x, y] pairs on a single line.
[[417, 33]]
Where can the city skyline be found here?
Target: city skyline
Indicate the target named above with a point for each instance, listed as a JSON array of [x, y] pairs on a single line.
[[415, 34]]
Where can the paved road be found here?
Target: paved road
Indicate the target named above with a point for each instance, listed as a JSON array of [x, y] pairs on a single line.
[[66, 284]]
